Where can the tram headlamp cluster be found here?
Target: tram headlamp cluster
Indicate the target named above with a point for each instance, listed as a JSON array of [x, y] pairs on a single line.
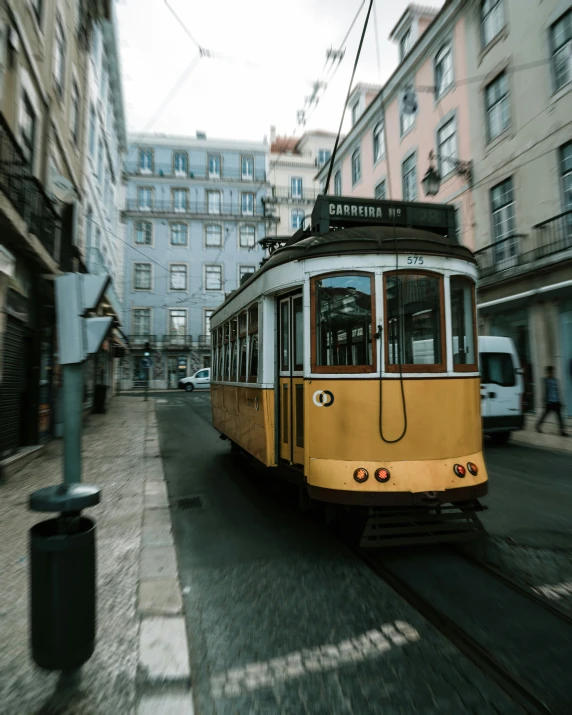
[[459, 470], [382, 474], [361, 475]]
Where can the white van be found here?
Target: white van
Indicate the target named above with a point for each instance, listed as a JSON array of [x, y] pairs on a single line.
[[199, 381], [502, 388]]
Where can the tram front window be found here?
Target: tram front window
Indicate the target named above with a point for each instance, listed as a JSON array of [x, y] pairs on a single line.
[[343, 305], [414, 326], [463, 322]]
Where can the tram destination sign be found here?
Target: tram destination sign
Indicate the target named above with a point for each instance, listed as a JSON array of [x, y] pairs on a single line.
[[345, 212]]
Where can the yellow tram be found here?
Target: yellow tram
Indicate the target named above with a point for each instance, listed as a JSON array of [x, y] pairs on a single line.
[[348, 362]]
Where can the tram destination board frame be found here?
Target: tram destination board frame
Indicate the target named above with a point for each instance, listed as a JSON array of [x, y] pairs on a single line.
[[344, 212]]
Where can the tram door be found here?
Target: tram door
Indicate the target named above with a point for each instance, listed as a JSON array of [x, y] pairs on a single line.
[[291, 381]]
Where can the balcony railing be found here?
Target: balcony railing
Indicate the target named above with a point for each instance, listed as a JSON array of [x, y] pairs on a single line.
[[548, 238], [177, 341], [204, 341], [25, 192], [285, 193], [141, 338], [199, 172], [192, 208]]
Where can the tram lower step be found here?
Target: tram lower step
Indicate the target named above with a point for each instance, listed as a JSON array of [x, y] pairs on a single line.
[[394, 527]]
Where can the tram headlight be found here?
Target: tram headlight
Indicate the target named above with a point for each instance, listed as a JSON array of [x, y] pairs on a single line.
[[459, 470], [361, 474], [473, 469], [382, 474]]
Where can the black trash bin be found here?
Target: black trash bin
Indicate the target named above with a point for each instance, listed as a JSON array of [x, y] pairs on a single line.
[[62, 594], [99, 397]]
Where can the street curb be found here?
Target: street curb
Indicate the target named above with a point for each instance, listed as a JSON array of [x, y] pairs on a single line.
[[163, 668]]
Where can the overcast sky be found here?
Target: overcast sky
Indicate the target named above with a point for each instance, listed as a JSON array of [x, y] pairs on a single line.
[[276, 50]]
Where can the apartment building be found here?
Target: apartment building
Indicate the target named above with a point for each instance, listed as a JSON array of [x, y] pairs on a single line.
[[193, 218], [417, 121], [292, 175], [44, 56], [520, 52]]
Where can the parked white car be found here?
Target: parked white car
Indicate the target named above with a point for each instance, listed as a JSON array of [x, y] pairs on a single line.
[[502, 388], [199, 381]]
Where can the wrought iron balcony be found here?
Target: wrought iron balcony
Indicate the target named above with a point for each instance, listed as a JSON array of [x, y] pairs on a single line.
[[193, 208], [177, 341], [285, 193], [196, 172], [25, 192], [548, 238], [140, 339]]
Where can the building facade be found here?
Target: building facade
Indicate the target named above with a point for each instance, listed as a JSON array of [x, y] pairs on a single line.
[[44, 55], [521, 139], [418, 119], [292, 175], [193, 219]]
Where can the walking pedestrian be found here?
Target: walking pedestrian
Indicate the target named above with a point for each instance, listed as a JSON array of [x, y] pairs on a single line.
[[551, 400]]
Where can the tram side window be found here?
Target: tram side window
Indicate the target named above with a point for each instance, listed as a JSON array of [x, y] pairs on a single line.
[[463, 322], [253, 343], [226, 352], [414, 322], [242, 349], [233, 349], [343, 312]]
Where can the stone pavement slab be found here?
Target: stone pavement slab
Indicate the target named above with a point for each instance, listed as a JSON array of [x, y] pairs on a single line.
[[549, 439]]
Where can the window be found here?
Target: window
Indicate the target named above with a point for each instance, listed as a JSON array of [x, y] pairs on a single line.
[[253, 343], [144, 233], [208, 316], [92, 129], [344, 317], [213, 233], [447, 148], [59, 56], [177, 322], [380, 191], [247, 204], [409, 173], [405, 45], [323, 156], [142, 276], [245, 271], [566, 174], [561, 46], [247, 236], [100, 160], [88, 226], [145, 161], [74, 114], [296, 187], [180, 200], [355, 112], [443, 70], [378, 142], [498, 110], [28, 130], [38, 6], [406, 121], [178, 276], [463, 322], [180, 162], [297, 219], [213, 202], [179, 234], [214, 166], [503, 220], [414, 321], [233, 348], [497, 368], [213, 278], [98, 238], [492, 19], [145, 198], [338, 183], [142, 321], [247, 168], [356, 167]]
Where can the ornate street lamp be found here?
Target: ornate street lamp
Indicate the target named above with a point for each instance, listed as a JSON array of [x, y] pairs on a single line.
[[432, 179]]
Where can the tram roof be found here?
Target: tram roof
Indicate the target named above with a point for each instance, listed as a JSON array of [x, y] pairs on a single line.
[[359, 241]]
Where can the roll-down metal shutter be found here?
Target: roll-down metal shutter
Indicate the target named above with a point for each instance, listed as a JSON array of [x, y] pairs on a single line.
[[11, 387]]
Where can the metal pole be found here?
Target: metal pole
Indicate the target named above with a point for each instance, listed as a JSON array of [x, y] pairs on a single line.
[[72, 400]]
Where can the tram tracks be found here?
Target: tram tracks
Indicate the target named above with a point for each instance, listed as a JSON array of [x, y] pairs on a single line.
[[514, 637]]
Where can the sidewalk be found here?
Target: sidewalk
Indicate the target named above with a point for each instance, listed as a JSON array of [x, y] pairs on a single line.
[[550, 437], [140, 665]]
